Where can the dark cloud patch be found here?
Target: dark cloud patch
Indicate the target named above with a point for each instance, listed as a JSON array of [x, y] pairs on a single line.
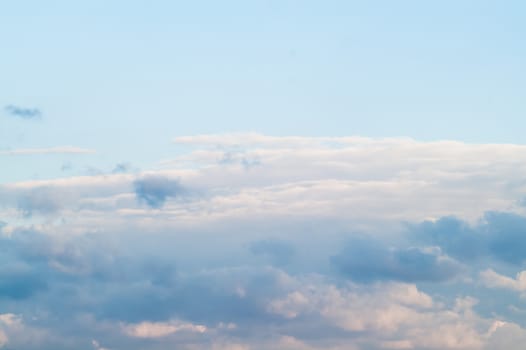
[[454, 236], [507, 236], [23, 112], [498, 235], [279, 252], [155, 190], [367, 260]]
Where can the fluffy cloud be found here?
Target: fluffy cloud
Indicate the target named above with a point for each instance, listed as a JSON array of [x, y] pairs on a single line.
[[492, 279]]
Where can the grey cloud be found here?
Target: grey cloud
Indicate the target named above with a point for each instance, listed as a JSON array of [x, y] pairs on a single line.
[[366, 260], [23, 112], [155, 190], [499, 235], [122, 278], [279, 252], [42, 200]]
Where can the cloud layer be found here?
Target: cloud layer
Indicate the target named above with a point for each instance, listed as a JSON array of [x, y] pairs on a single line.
[[255, 242]]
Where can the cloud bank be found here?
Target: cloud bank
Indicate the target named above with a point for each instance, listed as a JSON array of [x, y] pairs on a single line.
[[321, 243]]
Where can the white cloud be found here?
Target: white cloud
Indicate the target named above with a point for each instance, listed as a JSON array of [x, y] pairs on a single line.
[[391, 316], [365, 181], [161, 329], [492, 279]]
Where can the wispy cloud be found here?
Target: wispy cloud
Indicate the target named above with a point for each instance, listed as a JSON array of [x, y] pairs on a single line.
[[51, 150], [23, 112]]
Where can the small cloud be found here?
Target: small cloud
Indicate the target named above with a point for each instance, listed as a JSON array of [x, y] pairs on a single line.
[[161, 329], [122, 168], [154, 190], [23, 112]]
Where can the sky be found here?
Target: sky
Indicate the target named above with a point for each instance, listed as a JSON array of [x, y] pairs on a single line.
[[246, 175]]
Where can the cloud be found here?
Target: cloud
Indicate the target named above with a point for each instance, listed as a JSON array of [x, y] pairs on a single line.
[[279, 252], [97, 346], [370, 260], [161, 329], [129, 286], [43, 200], [52, 150], [390, 315], [364, 181], [23, 112], [329, 243], [491, 279], [21, 282], [498, 235], [155, 190]]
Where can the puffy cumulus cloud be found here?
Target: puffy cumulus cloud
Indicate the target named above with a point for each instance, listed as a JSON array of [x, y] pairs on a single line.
[[504, 335], [16, 334], [389, 316], [366, 259]]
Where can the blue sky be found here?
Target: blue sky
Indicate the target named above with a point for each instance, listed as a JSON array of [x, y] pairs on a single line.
[[262, 174], [104, 73]]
